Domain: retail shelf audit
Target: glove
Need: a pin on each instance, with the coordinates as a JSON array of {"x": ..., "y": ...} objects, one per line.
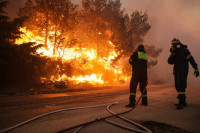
[
  {"x": 172, "y": 50},
  {"x": 196, "y": 73}
]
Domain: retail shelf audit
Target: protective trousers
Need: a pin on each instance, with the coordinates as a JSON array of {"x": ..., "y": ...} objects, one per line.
[
  {"x": 180, "y": 85},
  {"x": 142, "y": 80}
]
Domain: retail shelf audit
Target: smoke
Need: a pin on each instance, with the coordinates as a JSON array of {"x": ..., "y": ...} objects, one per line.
[
  {"x": 13, "y": 7},
  {"x": 169, "y": 19}
]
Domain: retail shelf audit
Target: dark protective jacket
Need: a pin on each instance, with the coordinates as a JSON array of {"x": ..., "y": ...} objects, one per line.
[
  {"x": 138, "y": 60},
  {"x": 180, "y": 58}
]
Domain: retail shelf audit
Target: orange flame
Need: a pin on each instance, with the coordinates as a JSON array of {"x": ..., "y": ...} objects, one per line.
[{"x": 96, "y": 76}]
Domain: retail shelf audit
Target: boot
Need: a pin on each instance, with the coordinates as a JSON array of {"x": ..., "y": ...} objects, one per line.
[
  {"x": 130, "y": 105},
  {"x": 182, "y": 104},
  {"x": 178, "y": 97},
  {"x": 144, "y": 101},
  {"x": 131, "y": 101}
]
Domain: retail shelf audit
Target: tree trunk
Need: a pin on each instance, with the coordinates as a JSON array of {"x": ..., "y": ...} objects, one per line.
[
  {"x": 55, "y": 39},
  {"x": 46, "y": 28},
  {"x": 46, "y": 35}
]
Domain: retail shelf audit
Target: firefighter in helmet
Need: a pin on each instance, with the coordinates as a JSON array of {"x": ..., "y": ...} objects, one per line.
[
  {"x": 138, "y": 60},
  {"x": 180, "y": 56}
]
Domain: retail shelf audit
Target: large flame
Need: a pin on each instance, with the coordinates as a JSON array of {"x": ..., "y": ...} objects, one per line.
[
  {"x": 89, "y": 78},
  {"x": 99, "y": 70}
]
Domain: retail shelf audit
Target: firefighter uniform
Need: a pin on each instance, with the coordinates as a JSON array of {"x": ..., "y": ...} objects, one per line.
[
  {"x": 180, "y": 56},
  {"x": 138, "y": 60}
]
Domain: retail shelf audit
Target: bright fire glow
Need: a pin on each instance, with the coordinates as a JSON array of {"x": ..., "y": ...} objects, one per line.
[
  {"x": 90, "y": 67},
  {"x": 88, "y": 78}
]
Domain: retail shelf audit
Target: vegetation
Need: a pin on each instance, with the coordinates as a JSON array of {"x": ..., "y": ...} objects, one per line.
[
  {"x": 20, "y": 65},
  {"x": 45, "y": 16},
  {"x": 92, "y": 25}
]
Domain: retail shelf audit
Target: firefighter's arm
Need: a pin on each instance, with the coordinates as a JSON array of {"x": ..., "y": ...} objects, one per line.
[
  {"x": 132, "y": 59},
  {"x": 171, "y": 59},
  {"x": 190, "y": 58}
]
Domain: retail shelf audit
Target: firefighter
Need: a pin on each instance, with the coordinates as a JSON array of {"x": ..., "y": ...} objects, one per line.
[
  {"x": 138, "y": 60},
  {"x": 180, "y": 56}
]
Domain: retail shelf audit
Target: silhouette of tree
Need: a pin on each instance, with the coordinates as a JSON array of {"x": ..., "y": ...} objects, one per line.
[
  {"x": 107, "y": 18},
  {"x": 20, "y": 65}
]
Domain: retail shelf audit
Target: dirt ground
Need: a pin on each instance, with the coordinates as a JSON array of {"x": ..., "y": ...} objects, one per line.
[{"x": 160, "y": 116}]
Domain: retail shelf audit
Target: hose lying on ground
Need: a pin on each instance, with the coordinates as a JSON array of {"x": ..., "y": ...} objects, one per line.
[
  {"x": 113, "y": 114},
  {"x": 49, "y": 113},
  {"x": 146, "y": 130}
]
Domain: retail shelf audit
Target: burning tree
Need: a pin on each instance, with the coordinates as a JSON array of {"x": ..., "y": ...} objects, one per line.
[
  {"x": 88, "y": 43},
  {"x": 103, "y": 21},
  {"x": 51, "y": 19}
]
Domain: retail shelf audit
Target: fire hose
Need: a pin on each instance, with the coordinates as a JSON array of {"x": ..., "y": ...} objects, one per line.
[
  {"x": 49, "y": 113},
  {"x": 129, "y": 121},
  {"x": 81, "y": 126}
]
